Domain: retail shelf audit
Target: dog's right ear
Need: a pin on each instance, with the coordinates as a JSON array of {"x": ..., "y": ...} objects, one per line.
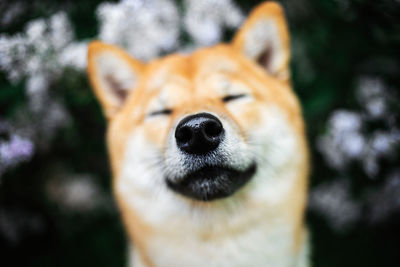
[{"x": 113, "y": 74}]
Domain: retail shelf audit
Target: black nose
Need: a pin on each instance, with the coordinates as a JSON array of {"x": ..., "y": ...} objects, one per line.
[{"x": 199, "y": 134}]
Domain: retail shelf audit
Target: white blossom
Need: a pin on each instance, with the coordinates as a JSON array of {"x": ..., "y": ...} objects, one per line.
[
  {"x": 371, "y": 93},
  {"x": 346, "y": 141},
  {"x": 38, "y": 50},
  {"x": 74, "y": 55},
  {"x": 143, "y": 28},
  {"x": 333, "y": 200},
  {"x": 381, "y": 144},
  {"x": 75, "y": 192},
  {"x": 343, "y": 140},
  {"x": 147, "y": 29},
  {"x": 205, "y": 20},
  {"x": 13, "y": 52}
]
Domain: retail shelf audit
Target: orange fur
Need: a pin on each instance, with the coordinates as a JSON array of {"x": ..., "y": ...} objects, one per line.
[{"x": 196, "y": 83}]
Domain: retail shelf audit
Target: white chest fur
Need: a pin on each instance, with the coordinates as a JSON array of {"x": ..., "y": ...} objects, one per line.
[
  {"x": 229, "y": 234},
  {"x": 253, "y": 248}
]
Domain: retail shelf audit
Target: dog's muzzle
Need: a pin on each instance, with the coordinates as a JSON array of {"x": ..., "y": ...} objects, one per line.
[{"x": 198, "y": 137}]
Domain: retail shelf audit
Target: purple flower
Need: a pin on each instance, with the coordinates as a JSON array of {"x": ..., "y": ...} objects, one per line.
[{"x": 15, "y": 151}]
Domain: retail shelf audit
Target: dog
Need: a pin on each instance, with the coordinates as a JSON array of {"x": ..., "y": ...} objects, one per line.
[{"x": 208, "y": 150}]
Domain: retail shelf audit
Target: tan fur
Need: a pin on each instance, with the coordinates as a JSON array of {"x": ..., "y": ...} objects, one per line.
[{"x": 190, "y": 84}]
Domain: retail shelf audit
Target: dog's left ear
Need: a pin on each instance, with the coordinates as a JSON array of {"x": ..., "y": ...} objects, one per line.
[
  {"x": 113, "y": 74},
  {"x": 264, "y": 38}
]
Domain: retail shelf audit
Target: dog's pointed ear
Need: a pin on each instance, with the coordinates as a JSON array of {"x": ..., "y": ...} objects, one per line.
[
  {"x": 113, "y": 74},
  {"x": 264, "y": 38}
]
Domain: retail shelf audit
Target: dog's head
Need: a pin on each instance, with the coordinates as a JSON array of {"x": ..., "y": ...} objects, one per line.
[{"x": 218, "y": 123}]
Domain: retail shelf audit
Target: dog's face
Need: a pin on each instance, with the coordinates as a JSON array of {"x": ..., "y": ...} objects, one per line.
[{"x": 221, "y": 123}]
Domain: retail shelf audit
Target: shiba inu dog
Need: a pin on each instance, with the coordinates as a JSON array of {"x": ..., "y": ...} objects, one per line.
[{"x": 208, "y": 151}]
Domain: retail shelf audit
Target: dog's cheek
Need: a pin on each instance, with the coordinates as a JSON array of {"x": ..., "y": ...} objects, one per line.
[
  {"x": 156, "y": 131},
  {"x": 246, "y": 114},
  {"x": 118, "y": 135},
  {"x": 277, "y": 137}
]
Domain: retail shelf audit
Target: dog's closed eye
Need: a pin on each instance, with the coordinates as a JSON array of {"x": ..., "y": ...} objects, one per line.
[
  {"x": 229, "y": 98},
  {"x": 166, "y": 111}
]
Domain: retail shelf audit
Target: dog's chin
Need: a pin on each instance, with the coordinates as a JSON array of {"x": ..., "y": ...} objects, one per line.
[{"x": 212, "y": 182}]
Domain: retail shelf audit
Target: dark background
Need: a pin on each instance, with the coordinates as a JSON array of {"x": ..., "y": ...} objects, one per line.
[{"x": 336, "y": 45}]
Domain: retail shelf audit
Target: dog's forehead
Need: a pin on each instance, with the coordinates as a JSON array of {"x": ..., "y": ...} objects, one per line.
[
  {"x": 169, "y": 69},
  {"x": 217, "y": 59},
  {"x": 190, "y": 70}
]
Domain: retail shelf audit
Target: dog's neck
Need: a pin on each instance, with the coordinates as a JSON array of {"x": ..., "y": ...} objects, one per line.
[{"x": 216, "y": 231}]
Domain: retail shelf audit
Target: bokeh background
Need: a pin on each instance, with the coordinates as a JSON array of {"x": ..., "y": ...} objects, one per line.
[{"x": 56, "y": 208}]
